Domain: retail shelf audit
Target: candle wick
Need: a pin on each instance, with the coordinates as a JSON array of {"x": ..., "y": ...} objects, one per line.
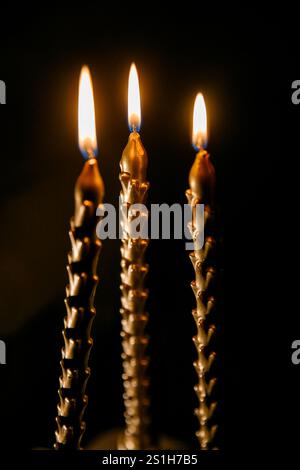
[{"x": 90, "y": 153}]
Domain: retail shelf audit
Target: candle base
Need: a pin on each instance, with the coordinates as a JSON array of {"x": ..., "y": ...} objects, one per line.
[{"x": 113, "y": 440}]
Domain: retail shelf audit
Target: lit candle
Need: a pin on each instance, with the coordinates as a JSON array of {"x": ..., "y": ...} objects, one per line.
[
  {"x": 201, "y": 191},
  {"x": 80, "y": 291},
  {"x": 133, "y": 293}
]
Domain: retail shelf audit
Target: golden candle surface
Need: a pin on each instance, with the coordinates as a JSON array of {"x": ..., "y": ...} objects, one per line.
[{"x": 134, "y": 159}]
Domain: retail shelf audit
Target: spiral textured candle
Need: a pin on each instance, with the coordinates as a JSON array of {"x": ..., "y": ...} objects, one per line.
[
  {"x": 80, "y": 291},
  {"x": 83, "y": 280},
  {"x": 201, "y": 191}
]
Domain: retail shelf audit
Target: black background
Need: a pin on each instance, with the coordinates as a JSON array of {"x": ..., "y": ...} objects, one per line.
[{"x": 245, "y": 69}]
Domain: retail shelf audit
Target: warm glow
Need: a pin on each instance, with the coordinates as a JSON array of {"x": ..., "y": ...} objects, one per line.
[
  {"x": 86, "y": 115},
  {"x": 134, "y": 101},
  {"x": 199, "y": 123}
]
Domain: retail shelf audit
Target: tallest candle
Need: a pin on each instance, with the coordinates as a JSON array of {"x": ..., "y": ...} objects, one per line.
[
  {"x": 133, "y": 166},
  {"x": 80, "y": 291}
]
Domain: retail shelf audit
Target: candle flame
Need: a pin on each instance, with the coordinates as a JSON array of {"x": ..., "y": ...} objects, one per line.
[
  {"x": 134, "y": 101},
  {"x": 199, "y": 123},
  {"x": 87, "y": 138}
]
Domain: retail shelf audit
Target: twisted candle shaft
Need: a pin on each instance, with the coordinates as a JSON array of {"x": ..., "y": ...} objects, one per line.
[
  {"x": 202, "y": 182},
  {"x": 80, "y": 291},
  {"x": 134, "y": 320}
]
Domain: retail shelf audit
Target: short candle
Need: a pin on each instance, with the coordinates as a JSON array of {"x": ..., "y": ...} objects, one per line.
[{"x": 201, "y": 191}]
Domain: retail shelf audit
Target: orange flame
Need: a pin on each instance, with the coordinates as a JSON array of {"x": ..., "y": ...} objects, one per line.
[
  {"x": 199, "y": 123},
  {"x": 87, "y": 138},
  {"x": 134, "y": 100}
]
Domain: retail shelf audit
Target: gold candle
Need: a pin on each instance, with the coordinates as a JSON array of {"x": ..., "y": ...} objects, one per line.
[
  {"x": 201, "y": 191},
  {"x": 83, "y": 280},
  {"x": 133, "y": 166}
]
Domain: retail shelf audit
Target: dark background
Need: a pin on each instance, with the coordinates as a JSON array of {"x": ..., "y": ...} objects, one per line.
[{"x": 245, "y": 69}]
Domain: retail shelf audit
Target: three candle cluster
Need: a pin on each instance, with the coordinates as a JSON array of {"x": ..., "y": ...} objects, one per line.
[{"x": 82, "y": 264}]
